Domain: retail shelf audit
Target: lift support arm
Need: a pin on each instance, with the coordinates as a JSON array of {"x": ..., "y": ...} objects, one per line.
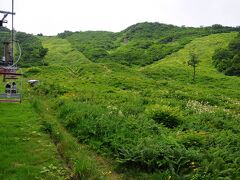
[{"x": 6, "y": 13}]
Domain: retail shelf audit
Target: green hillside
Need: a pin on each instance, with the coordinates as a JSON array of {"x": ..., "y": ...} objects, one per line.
[
  {"x": 140, "y": 44},
  {"x": 124, "y": 105},
  {"x": 152, "y": 121}
]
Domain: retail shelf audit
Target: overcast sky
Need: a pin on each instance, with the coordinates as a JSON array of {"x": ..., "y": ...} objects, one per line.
[{"x": 53, "y": 16}]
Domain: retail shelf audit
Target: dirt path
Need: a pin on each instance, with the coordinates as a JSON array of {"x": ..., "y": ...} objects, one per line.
[{"x": 92, "y": 165}]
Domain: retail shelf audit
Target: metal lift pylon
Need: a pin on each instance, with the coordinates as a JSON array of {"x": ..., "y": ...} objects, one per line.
[{"x": 8, "y": 67}]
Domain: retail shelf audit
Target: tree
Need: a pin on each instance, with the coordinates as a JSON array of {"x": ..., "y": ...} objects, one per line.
[{"x": 193, "y": 61}]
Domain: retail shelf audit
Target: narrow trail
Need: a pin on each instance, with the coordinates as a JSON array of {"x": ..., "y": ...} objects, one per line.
[{"x": 79, "y": 152}]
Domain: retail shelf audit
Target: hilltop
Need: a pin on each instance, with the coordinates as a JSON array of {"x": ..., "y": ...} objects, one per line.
[{"x": 140, "y": 44}]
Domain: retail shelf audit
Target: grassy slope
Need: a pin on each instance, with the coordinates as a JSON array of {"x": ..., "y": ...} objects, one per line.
[
  {"x": 61, "y": 52},
  {"x": 210, "y": 106},
  {"x": 174, "y": 69},
  {"x": 25, "y": 151},
  {"x": 140, "y": 44}
]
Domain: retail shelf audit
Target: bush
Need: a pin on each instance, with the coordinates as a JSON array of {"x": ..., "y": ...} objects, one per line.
[{"x": 165, "y": 115}]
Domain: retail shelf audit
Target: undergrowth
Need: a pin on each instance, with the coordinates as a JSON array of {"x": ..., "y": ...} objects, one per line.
[{"x": 78, "y": 160}]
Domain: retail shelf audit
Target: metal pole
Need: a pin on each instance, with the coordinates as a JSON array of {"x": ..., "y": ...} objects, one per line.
[{"x": 12, "y": 29}]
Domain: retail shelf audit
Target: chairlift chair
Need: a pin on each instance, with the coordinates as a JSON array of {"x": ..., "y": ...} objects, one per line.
[{"x": 12, "y": 94}]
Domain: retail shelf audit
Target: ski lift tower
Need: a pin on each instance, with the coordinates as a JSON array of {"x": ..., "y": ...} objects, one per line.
[{"x": 8, "y": 65}]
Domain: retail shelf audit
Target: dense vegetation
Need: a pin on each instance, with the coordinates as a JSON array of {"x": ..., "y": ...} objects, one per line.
[
  {"x": 227, "y": 60},
  {"x": 153, "y": 121},
  {"x": 140, "y": 44},
  {"x": 31, "y": 48}
]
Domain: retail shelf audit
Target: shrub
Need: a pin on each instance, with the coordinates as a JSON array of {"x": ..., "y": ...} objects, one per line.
[
  {"x": 51, "y": 89},
  {"x": 165, "y": 115}
]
